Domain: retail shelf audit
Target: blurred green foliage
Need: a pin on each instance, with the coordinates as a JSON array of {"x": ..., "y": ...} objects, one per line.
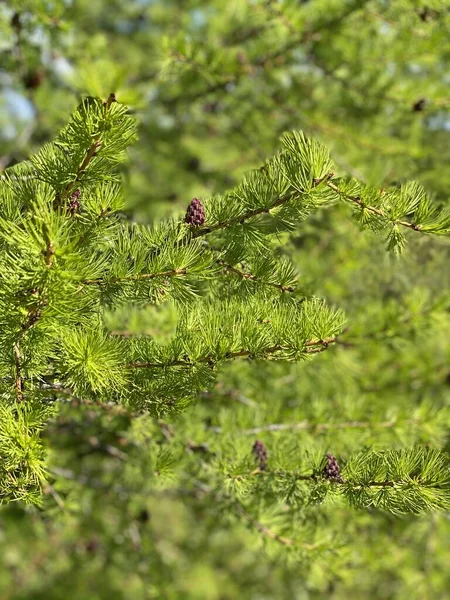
[{"x": 128, "y": 512}]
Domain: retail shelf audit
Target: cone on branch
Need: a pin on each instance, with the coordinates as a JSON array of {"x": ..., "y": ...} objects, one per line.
[
  {"x": 33, "y": 79},
  {"x": 195, "y": 215},
  {"x": 260, "y": 453},
  {"x": 419, "y": 106},
  {"x": 73, "y": 203},
  {"x": 332, "y": 470}
]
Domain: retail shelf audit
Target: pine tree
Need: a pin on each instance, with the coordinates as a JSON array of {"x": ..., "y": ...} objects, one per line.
[{"x": 143, "y": 364}]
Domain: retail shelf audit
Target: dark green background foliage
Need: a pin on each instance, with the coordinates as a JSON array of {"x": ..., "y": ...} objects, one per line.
[{"x": 141, "y": 482}]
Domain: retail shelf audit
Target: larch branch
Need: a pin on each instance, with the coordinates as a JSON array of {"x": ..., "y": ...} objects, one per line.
[
  {"x": 136, "y": 277},
  {"x": 311, "y": 347},
  {"x": 90, "y": 153},
  {"x": 372, "y": 209},
  {"x": 251, "y": 277}
]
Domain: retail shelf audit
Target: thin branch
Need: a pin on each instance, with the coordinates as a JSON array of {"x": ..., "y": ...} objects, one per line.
[
  {"x": 307, "y": 425},
  {"x": 266, "y": 530},
  {"x": 90, "y": 153},
  {"x": 372, "y": 209},
  {"x": 311, "y": 347},
  {"x": 137, "y": 277},
  {"x": 260, "y": 527},
  {"x": 251, "y": 277},
  {"x": 263, "y": 61},
  {"x": 49, "y": 253},
  {"x": 75, "y": 401},
  {"x": 314, "y": 478},
  {"x": 33, "y": 316},
  {"x": 245, "y": 216},
  {"x": 18, "y": 381},
  {"x": 293, "y": 195}
]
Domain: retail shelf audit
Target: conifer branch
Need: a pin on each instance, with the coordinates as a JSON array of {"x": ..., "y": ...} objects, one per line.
[
  {"x": 240, "y": 219},
  {"x": 33, "y": 316},
  {"x": 50, "y": 247},
  {"x": 18, "y": 368},
  {"x": 313, "y": 477},
  {"x": 90, "y": 153},
  {"x": 311, "y": 347},
  {"x": 372, "y": 209},
  {"x": 136, "y": 277},
  {"x": 307, "y": 425},
  {"x": 261, "y": 528},
  {"x": 260, "y": 62},
  {"x": 251, "y": 277}
]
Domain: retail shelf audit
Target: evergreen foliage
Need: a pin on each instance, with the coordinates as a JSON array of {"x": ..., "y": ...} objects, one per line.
[{"x": 165, "y": 428}]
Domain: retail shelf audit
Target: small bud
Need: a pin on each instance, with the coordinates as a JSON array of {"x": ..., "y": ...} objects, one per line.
[
  {"x": 331, "y": 470},
  {"x": 260, "y": 453},
  {"x": 195, "y": 214}
]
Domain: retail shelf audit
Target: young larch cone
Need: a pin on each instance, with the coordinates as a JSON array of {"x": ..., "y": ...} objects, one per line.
[
  {"x": 73, "y": 203},
  {"x": 195, "y": 215},
  {"x": 419, "y": 106},
  {"x": 33, "y": 79},
  {"x": 260, "y": 453},
  {"x": 331, "y": 469}
]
